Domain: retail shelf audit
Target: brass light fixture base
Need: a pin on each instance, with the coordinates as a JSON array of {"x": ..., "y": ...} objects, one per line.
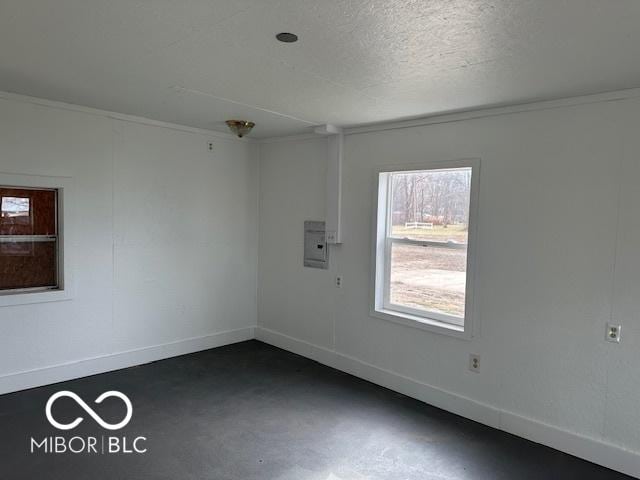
[{"x": 240, "y": 127}]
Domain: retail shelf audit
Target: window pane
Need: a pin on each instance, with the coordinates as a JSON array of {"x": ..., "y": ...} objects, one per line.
[
  {"x": 28, "y": 238},
  {"x": 27, "y": 264},
  {"x": 431, "y": 205},
  {"x": 428, "y": 278},
  {"x": 15, "y": 206},
  {"x": 27, "y": 211}
]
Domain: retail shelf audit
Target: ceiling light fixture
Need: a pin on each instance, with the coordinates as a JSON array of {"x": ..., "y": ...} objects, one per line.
[
  {"x": 240, "y": 127},
  {"x": 287, "y": 37}
]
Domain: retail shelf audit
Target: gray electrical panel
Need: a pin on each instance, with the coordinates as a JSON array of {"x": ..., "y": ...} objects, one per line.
[{"x": 316, "y": 251}]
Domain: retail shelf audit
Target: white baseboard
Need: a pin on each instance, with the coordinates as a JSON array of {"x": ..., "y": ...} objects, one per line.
[
  {"x": 591, "y": 449},
  {"x": 13, "y": 382}
]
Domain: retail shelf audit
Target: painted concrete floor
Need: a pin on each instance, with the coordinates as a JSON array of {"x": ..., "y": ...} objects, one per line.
[{"x": 251, "y": 411}]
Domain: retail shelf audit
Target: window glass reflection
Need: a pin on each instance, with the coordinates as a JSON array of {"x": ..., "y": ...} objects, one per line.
[{"x": 15, "y": 207}]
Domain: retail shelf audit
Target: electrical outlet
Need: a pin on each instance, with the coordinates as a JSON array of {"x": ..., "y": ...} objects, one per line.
[
  {"x": 474, "y": 363},
  {"x": 613, "y": 333},
  {"x": 210, "y": 146},
  {"x": 339, "y": 281}
]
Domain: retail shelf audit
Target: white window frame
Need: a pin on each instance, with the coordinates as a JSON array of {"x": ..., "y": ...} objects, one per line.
[
  {"x": 381, "y": 248},
  {"x": 65, "y": 290}
]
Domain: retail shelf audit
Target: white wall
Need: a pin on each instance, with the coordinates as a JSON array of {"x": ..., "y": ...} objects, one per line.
[
  {"x": 165, "y": 249},
  {"x": 166, "y": 252},
  {"x": 558, "y": 228}
]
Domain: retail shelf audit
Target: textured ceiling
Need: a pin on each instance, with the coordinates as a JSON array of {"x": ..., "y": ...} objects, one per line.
[{"x": 199, "y": 62}]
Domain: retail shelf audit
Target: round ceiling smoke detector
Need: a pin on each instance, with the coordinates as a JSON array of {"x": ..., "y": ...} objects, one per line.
[
  {"x": 287, "y": 37},
  {"x": 240, "y": 127}
]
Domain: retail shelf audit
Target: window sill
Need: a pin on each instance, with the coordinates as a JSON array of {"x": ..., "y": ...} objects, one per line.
[
  {"x": 422, "y": 323},
  {"x": 9, "y": 299}
]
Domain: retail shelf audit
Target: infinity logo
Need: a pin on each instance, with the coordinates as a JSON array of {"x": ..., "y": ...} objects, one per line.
[{"x": 89, "y": 410}]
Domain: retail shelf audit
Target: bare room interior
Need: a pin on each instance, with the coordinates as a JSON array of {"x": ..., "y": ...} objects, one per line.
[{"x": 320, "y": 240}]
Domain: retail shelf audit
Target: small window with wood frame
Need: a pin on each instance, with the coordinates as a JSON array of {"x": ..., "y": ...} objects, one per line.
[{"x": 29, "y": 243}]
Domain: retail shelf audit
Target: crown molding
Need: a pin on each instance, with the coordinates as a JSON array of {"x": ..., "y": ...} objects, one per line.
[
  {"x": 120, "y": 116},
  {"x": 474, "y": 113},
  {"x": 616, "y": 95},
  {"x": 290, "y": 138}
]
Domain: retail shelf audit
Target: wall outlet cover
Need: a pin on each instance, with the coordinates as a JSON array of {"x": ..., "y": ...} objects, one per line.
[
  {"x": 474, "y": 363},
  {"x": 613, "y": 332}
]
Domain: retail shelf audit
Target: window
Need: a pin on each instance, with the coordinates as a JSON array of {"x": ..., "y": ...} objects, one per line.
[
  {"x": 28, "y": 239},
  {"x": 423, "y": 246}
]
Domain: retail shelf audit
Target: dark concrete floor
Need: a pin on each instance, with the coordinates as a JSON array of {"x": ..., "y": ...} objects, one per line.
[{"x": 252, "y": 411}]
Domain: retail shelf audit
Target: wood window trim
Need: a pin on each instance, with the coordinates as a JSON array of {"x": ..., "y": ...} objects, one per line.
[{"x": 65, "y": 289}]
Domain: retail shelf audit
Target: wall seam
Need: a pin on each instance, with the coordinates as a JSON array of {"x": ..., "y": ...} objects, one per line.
[
  {"x": 259, "y": 230},
  {"x": 620, "y": 181},
  {"x": 113, "y": 234}
]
